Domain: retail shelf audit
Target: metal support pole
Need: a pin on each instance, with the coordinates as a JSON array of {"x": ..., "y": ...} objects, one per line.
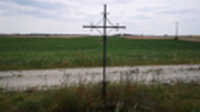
[
  {"x": 176, "y": 31},
  {"x": 104, "y": 52},
  {"x": 104, "y": 27}
]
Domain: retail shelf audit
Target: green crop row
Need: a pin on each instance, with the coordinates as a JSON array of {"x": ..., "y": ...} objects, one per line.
[{"x": 39, "y": 53}]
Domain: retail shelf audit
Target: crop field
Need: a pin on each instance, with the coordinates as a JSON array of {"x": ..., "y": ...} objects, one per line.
[{"x": 39, "y": 53}]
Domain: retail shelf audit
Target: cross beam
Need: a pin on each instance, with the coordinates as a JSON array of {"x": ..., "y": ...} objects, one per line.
[
  {"x": 93, "y": 26},
  {"x": 104, "y": 27}
]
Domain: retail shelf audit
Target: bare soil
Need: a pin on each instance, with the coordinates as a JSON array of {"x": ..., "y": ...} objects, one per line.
[
  {"x": 147, "y": 37},
  {"x": 193, "y": 39},
  {"x": 21, "y": 80},
  {"x": 185, "y": 38}
]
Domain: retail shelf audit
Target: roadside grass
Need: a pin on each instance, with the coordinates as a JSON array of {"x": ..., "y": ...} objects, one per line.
[
  {"x": 121, "y": 97},
  {"x": 40, "y": 53}
]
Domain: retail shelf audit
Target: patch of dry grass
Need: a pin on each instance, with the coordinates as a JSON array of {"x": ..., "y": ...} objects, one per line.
[{"x": 121, "y": 97}]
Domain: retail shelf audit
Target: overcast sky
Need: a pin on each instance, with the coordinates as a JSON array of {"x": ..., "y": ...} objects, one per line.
[{"x": 154, "y": 17}]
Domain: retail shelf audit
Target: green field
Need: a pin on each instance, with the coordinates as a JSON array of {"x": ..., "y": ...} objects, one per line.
[{"x": 39, "y": 53}]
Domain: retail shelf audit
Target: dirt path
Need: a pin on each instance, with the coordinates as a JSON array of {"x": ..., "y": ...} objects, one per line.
[{"x": 38, "y": 79}]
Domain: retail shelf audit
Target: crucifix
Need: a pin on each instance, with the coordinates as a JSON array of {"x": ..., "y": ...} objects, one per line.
[{"x": 104, "y": 27}]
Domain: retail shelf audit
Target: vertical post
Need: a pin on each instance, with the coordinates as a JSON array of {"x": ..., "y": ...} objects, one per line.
[
  {"x": 105, "y": 27},
  {"x": 176, "y": 32},
  {"x": 104, "y": 51}
]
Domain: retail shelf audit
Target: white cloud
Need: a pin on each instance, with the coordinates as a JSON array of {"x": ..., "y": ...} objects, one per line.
[{"x": 68, "y": 16}]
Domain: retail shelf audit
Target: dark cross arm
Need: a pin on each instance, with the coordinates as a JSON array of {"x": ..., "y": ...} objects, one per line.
[{"x": 84, "y": 26}]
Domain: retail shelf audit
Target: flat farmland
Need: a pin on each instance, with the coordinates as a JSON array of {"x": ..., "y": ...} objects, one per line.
[{"x": 39, "y": 53}]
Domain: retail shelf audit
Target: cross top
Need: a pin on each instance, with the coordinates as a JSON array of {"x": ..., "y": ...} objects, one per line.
[{"x": 105, "y": 26}]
